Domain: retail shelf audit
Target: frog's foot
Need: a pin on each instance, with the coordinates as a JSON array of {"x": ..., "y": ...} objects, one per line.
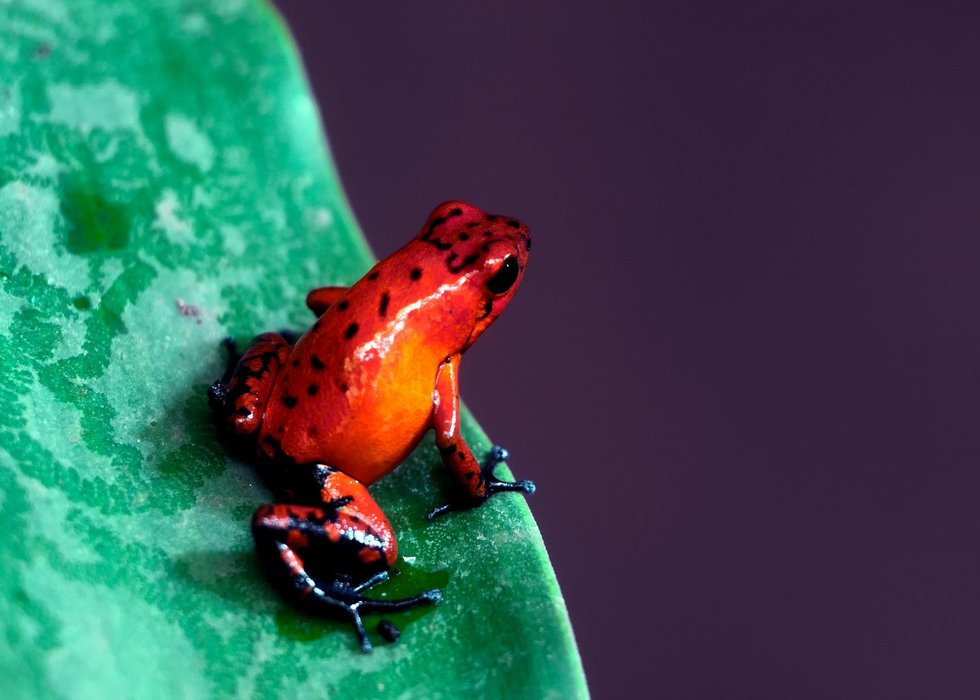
[
  {"x": 342, "y": 599},
  {"x": 491, "y": 485},
  {"x": 324, "y": 557}
]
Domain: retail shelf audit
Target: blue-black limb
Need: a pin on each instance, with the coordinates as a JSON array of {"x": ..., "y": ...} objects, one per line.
[
  {"x": 338, "y": 598},
  {"x": 218, "y": 392},
  {"x": 492, "y": 484}
]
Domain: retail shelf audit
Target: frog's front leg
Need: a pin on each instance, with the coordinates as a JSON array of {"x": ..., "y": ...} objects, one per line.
[
  {"x": 475, "y": 483},
  {"x": 322, "y": 298},
  {"x": 321, "y": 557}
]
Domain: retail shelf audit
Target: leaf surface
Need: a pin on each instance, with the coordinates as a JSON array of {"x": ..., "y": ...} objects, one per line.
[{"x": 164, "y": 183}]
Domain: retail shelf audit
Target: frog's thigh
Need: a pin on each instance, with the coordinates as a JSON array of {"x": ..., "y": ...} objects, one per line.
[{"x": 348, "y": 535}]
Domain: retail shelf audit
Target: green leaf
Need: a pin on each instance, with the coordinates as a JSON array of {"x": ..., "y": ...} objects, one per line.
[{"x": 164, "y": 183}]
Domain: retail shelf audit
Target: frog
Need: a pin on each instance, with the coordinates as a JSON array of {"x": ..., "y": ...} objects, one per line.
[{"x": 324, "y": 415}]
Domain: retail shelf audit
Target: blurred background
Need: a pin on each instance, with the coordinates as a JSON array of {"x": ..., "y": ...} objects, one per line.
[{"x": 743, "y": 366}]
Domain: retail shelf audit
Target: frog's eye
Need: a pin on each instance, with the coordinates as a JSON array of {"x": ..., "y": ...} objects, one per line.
[{"x": 505, "y": 277}]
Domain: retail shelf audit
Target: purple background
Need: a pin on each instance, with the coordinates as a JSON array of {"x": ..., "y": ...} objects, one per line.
[{"x": 743, "y": 367}]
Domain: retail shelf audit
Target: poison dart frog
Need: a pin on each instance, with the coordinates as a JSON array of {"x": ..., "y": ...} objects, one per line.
[{"x": 329, "y": 414}]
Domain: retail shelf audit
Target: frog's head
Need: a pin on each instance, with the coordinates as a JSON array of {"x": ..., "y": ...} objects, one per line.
[{"x": 486, "y": 252}]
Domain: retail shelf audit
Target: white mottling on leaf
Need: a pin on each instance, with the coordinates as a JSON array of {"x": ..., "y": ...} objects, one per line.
[
  {"x": 29, "y": 219},
  {"x": 11, "y": 109},
  {"x": 49, "y": 524},
  {"x": 52, "y": 11},
  {"x": 188, "y": 142},
  {"x": 167, "y": 208},
  {"x": 194, "y": 23},
  {"x": 263, "y": 650},
  {"x": 232, "y": 240},
  {"x": 228, "y": 8},
  {"x": 111, "y": 269},
  {"x": 143, "y": 418},
  {"x": 128, "y": 631},
  {"x": 109, "y": 106},
  {"x": 205, "y": 536},
  {"x": 72, "y": 343},
  {"x": 45, "y": 167},
  {"x": 153, "y": 321},
  {"x": 321, "y": 218},
  {"x": 274, "y": 217},
  {"x": 56, "y": 426},
  {"x": 33, "y": 32},
  {"x": 201, "y": 198},
  {"x": 107, "y": 152},
  {"x": 9, "y": 305}
]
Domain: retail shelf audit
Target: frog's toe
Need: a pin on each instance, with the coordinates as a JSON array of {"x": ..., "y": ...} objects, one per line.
[
  {"x": 218, "y": 394},
  {"x": 525, "y": 486},
  {"x": 494, "y": 485},
  {"x": 340, "y": 599},
  {"x": 497, "y": 455},
  {"x": 355, "y": 605}
]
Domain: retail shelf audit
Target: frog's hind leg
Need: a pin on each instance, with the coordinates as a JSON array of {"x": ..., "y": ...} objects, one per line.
[
  {"x": 324, "y": 557},
  {"x": 239, "y": 397}
]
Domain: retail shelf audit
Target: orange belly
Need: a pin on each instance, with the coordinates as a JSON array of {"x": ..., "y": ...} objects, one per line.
[{"x": 363, "y": 422}]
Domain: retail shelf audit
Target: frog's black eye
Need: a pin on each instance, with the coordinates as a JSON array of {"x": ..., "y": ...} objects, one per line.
[{"x": 505, "y": 277}]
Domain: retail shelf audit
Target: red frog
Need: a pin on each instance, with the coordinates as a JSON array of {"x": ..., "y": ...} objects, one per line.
[{"x": 329, "y": 415}]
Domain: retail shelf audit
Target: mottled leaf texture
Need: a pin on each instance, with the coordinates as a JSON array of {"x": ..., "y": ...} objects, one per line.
[{"x": 164, "y": 182}]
